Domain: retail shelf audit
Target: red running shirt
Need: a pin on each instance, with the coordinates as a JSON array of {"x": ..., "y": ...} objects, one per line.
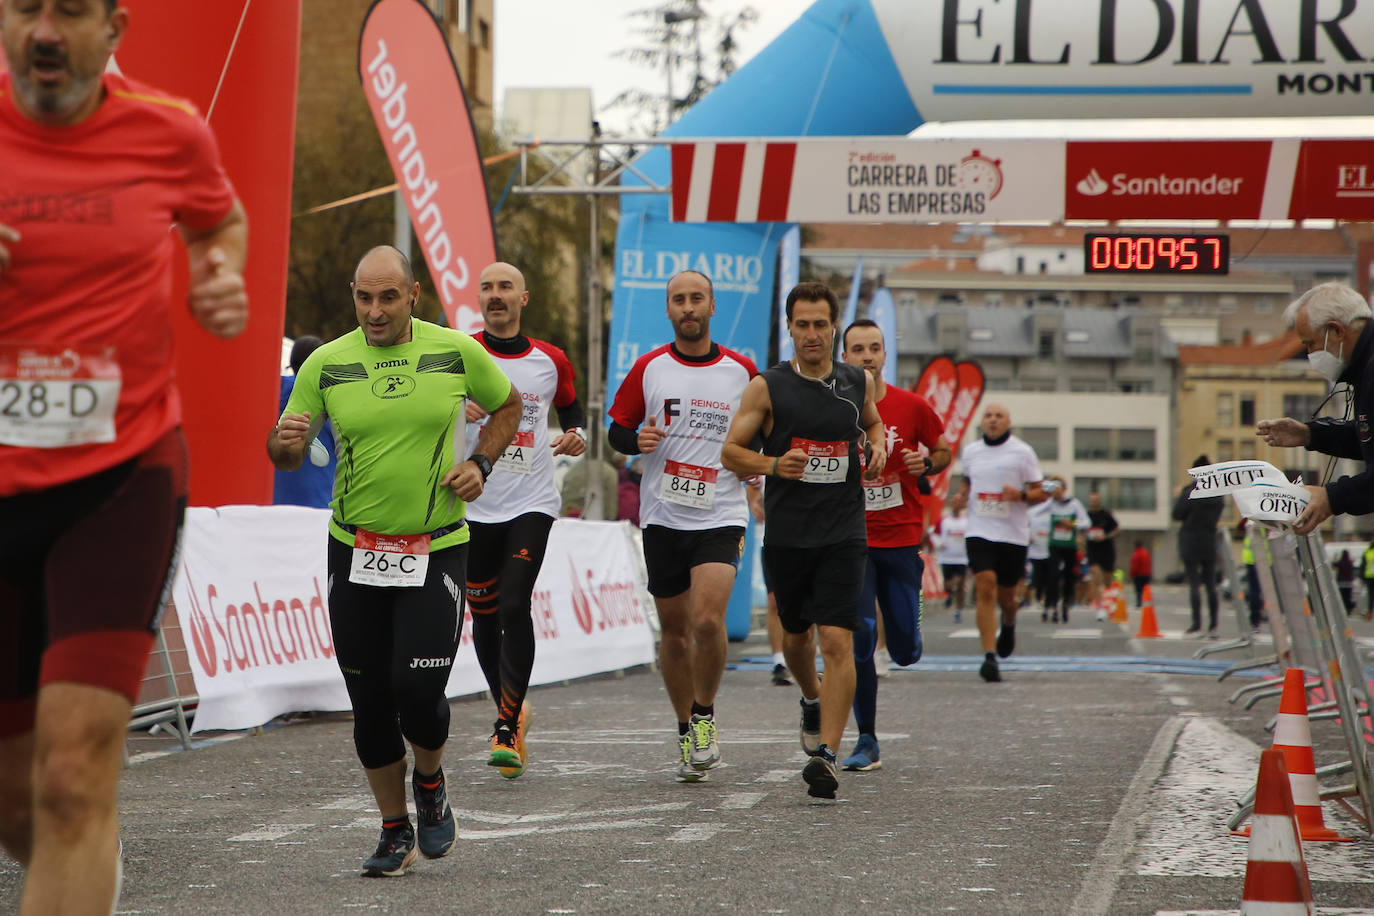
[
  {"x": 89, "y": 283},
  {"x": 894, "y": 512}
]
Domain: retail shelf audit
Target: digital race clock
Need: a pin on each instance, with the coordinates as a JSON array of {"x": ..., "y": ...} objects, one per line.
[{"x": 1153, "y": 253}]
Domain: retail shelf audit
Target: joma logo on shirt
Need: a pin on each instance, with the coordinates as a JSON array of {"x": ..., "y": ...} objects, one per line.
[{"x": 389, "y": 364}]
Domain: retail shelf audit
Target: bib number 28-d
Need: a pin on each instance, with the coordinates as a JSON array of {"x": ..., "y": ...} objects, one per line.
[{"x": 54, "y": 397}]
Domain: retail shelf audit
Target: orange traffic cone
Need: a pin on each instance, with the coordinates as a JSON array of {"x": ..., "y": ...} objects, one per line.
[
  {"x": 1276, "y": 882},
  {"x": 1293, "y": 736},
  {"x": 1149, "y": 627},
  {"x": 1119, "y": 614}
]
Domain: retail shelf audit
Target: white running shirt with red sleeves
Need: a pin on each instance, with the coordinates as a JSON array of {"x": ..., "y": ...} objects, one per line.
[
  {"x": 521, "y": 480},
  {"x": 684, "y": 486},
  {"x": 988, "y": 468}
]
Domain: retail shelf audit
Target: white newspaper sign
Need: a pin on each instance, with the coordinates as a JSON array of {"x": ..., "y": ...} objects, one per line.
[
  {"x": 1274, "y": 504},
  {"x": 252, "y": 594},
  {"x": 1232, "y": 476}
]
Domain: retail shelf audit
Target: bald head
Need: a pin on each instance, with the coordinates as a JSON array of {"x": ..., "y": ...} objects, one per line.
[
  {"x": 996, "y": 421},
  {"x": 385, "y": 259},
  {"x": 502, "y": 296}
]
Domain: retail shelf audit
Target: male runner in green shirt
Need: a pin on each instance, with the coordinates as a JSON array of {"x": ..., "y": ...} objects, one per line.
[{"x": 395, "y": 391}]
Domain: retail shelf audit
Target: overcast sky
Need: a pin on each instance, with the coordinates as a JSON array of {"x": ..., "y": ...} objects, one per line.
[{"x": 569, "y": 44}]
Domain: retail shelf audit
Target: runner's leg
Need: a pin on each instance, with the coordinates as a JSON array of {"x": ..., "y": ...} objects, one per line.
[
  {"x": 710, "y": 596},
  {"x": 865, "y": 641}
]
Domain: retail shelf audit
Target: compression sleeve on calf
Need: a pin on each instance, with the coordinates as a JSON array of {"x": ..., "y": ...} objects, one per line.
[
  {"x": 571, "y": 416},
  {"x": 623, "y": 439}
]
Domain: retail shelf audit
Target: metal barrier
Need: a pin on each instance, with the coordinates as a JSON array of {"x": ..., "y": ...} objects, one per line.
[
  {"x": 168, "y": 687},
  {"x": 1322, "y": 644}
]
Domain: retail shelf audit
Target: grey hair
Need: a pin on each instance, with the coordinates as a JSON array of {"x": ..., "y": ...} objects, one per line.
[{"x": 1326, "y": 303}]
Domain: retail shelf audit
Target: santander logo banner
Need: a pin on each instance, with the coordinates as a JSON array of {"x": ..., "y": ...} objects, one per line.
[
  {"x": 1166, "y": 179},
  {"x": 417, "y": 100},
  {"x": 252, "y": 598}
]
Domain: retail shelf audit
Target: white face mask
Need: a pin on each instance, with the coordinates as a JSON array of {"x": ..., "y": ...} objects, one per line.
[{"x": 1328, "y": 365}]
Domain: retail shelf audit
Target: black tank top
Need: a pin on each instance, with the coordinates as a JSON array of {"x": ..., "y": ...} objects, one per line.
[{"x": 800, "y": 513}]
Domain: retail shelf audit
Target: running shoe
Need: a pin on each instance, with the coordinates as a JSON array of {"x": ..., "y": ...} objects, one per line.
[
  {"x": 819, "y": 773},
  {"x": 685, "y": 771},
  {"x": 1213, "y": 634},
  {"x": 882, "y": 663},
  {"x": 810, "y": 727},
  {"x": 520, "y": 729},
  {"x": 1193, "y": 633},
  {"x": 395, "y": 852},
  {"x": 703, "y": 752},
  {"x": 503, "y": 750},
  {"x": 435, "y": 828},
  {"x": 1006, "y": 640},
  {"x": 989, "y": 670},
  {"x": 780, "y": 678},
  {"x": 865, "y": 756}
]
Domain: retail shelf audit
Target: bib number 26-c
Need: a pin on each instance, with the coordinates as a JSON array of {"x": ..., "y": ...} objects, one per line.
[{"x": 389, "y": 560}]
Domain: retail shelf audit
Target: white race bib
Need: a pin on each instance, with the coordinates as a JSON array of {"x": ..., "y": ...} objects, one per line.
[
  {"x": 991, "y": 505},
  {"x": 389, "y": 560},
  {"x": 882, "y": 494},
  {"x": 688, "y": 485},
  {"x": 519, "y": 455},
  {"x": 53, "y": 396},
  {"x": 826, "y": 462}
]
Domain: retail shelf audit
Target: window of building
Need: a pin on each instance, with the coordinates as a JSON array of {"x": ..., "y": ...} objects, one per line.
[
  {"x": 463, "y": 16},
  {"x": 1264, "y": 303},
  {"x": 1136, "y": 493},
  {"x": 1245, "y": 449},
  {"x": 1301, "y": 406},
  {"x": 1143, "y": 354},
  {"x": 1083, "y": 487},
  {"x": 484, "y": 34},
  {"x": 1092, "y": 443},
  {"x": 1020, "y": 263},
  {"x": 982, "y": 334},
  {"x": 1077, "y": 336},
  {"x": 1046, "y": 347},
  {"x": 1135, "y": 445},
  {"x": 998, "y": 383},
  {"x": 1247, "y": 410},
  {"x": 1136, "y": 387},
  {"x": 1044, "y": 439},
  {"x": 1226, "y": 450},
  {"x": 992, "y": 298},
  {"x": 1088, "y": 385},
  {"x": 1226, "y": 410}
]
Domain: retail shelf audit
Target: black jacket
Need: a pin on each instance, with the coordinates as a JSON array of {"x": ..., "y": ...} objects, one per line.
[
  {"x": 1352, "y": 495},
  {"x": 1199, "y": 517}
]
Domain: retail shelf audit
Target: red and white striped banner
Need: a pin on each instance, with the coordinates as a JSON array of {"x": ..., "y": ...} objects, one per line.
[{"x": 940, "y": 180}]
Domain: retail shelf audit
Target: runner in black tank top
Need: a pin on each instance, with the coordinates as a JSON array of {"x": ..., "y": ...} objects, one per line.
[{"x": 812, "y": 416}]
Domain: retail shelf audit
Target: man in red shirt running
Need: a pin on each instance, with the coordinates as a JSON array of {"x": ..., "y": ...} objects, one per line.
[
  {"x": 96, "y": 170},
  {"x": 896, "y": 523}
]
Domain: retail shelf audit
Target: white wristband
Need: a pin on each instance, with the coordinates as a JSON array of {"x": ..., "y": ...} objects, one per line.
[{"x": 577, "y": 431}]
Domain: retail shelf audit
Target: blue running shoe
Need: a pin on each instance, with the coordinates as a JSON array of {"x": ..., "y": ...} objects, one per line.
[
  {"x": 865, "y": 756},
  {"x": 395, "y": 852}
]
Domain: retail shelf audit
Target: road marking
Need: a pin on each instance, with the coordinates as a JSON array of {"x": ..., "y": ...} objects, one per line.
[
  {"x": 696, "y": 833},
  {"x": 1099, "y": 884},
  {"x": 557, "y": 828},
  {"x": 493, "y": 817},
  {"x": 741, "y": 800},
  {"x": 1078, "y": 633},
  {"x": 1185, "y": 834},
  {"x": 269, "y": 832},
  {"x": 777, "y": 776}
]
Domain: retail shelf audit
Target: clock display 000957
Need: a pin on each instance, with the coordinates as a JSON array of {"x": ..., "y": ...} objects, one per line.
[{"x": 1156, "y": 253}]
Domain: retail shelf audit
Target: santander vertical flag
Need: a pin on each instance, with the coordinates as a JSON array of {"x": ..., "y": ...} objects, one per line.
[{"x": 417, "y": 100}]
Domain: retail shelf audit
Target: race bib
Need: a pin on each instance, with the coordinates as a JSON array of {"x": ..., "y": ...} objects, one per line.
[
  {"x": 826, "y": 462},
  {"x": 53, "y": 396},
  {"x": 687, "y": 485},
  {"x": 389, "y": 560},
  {"x": 519, "y": 455},
  {"x": 1096, "y": 534},
  {"x": 882, "y": 494},
  {"x": 991, "y": 505}
]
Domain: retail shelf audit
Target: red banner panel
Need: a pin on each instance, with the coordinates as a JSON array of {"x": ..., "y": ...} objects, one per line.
[
  {"x": 1167, "y": 179},
  {"x": 1335, "y": 180}
]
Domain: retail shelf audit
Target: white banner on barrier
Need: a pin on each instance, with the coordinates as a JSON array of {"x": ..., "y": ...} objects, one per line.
[{"x": 251, "y": 592}]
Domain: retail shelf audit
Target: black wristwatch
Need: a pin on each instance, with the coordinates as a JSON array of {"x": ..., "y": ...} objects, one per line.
[{"x": 483, "y": 464}]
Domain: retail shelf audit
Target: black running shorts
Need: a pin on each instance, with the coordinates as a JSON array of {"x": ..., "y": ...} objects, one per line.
[
  {"x": 1008, "y": 561},
  {"x": 817, "y": 585},
  {"x": 670, "y": 555}
]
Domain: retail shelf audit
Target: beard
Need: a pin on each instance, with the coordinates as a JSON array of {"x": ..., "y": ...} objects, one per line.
[{"x": 703, "y": 328}]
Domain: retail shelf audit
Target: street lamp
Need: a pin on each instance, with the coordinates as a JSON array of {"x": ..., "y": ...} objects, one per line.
[{"x": 670, "y": 19}]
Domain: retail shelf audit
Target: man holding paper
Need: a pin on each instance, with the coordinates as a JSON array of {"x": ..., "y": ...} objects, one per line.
[{"x": 1332, "y": 322}]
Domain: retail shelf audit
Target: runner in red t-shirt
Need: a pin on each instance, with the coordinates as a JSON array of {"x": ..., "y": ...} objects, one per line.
[
  {"x": 896, "y": 523},
  {"x": 96, "y": 171}
]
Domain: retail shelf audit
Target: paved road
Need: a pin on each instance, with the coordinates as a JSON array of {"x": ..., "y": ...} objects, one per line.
[{"x": 1087, "y": 782}]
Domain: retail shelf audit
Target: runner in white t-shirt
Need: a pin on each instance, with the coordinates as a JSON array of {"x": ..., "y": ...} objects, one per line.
[
  {"x": 692, "y": 510},
  {"x": 951, "y": 552},
  {"x": 1004, "y": 478},
  {"x": 510, "y": 524}
]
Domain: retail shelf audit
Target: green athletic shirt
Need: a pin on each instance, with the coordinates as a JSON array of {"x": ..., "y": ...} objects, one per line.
[{"x": 398, "y": 421}]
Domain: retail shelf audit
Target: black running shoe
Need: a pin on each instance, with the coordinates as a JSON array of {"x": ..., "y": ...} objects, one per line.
[
  {"x": 1006, "y": 640},
  {"x": 434, "y": 819},
  {"x": 819, "y": 773},
  {"x": 989, "y": 670},
  {"x": 810, "y": 727},
  {"x": 780, "y": 678},
  {"x": 395, "y": 853}
]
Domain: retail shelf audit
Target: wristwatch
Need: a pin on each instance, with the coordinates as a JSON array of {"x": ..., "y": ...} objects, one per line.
[{"x": 483, "y": 464}]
